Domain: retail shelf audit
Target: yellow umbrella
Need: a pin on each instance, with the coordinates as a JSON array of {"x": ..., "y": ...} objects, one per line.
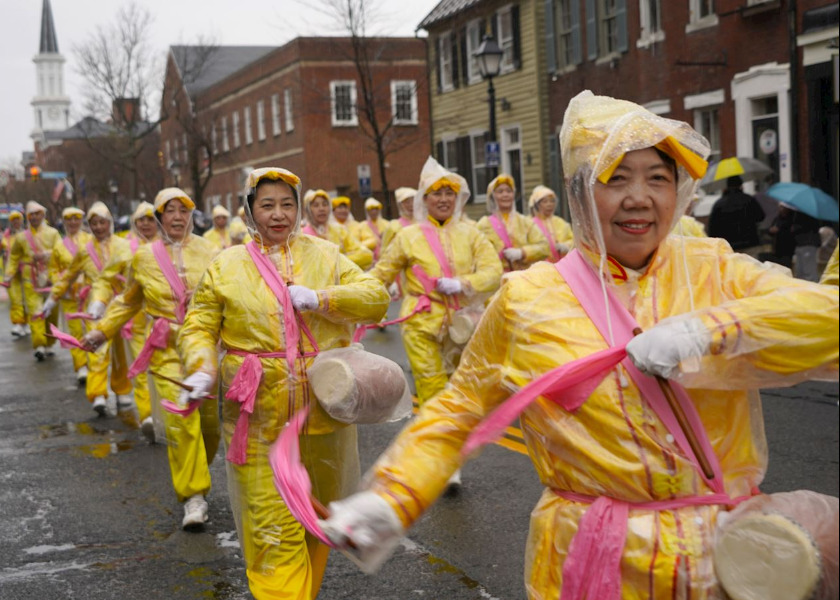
[{"x": 745, "y": 167}]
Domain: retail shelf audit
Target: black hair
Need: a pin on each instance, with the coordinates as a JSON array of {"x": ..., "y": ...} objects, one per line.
[
  {"x": 669, "y": 160},
  {"x": 734, "y": 182}
]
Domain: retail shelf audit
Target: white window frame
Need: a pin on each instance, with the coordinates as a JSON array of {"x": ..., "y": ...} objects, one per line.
[
  {"x": 445, "y": 140},
  {"x": 480, "y": 193},
  {"x": 714, "y": 140},
  {"x": 396, "y": 84},
  {"x": 225, "y": 138},
  {"x": 649, "y": 32},
  {"x": 659, "y": 107},
  {"x": 506, "y": 43},
  {"x": 249, "y": 133},
  {"x": 697, "y": 22},
  {"x": 445, "y": 59},
  {"x": 287, "y": 109},
  {"x": 235, "y": 125},
  {"x": 474, "y": 35},
  {"x": 213, "y": 142},
  {"x": 275, "y": 114},
  {"x": 166, "y": 152},
  {"x": 184, "y": 149},
  {"x": 704, "y": 102},
  {"x": 563, "y": 38},
  {"x": 353, "y": 119},
  {"x": 604, "y": 45},
  {"x": 505, "y": 147},
  {"x": 261, "y": 120}
]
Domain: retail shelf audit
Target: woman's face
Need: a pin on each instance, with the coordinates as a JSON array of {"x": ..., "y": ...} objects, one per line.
[
  {"x": 636, "y": 207},
  {"x": 407, "y": 207},
  {"x": 72, "y": 224},
  {"x": 220, "y": 222},
  {"x": 175, "y": 219},
  {"x": 146, "y": 226},
  {"x": 341, "y": 212},
  {"x": 373, "y": 213},
  {"x": 35, "y": 219},
  {"x": 441, "y": 203},
  {"x": 15, "y": 224},
  {"x": 100, "y": 227},
  {"x": 275, "y": 212},
  {"x": 546, "y": 206},
  {"x": 503, "y": 195},
  {"x": 319, "y": 208}
]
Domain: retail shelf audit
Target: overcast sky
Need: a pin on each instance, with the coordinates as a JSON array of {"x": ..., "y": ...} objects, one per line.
[{"x": 230, "y": 22}]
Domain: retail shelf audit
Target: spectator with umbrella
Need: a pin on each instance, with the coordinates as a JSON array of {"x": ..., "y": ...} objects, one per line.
[{"x": 735, "y": 218}]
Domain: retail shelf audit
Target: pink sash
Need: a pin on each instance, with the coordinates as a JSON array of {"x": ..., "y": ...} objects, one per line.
[
  {"x": 70, "y": 245},
  {"x": 32, "y": 242},
  {"x": 424, "y": 304},
  {"x": 404, "y": 221},
  {"x": 97, "y": 262},
  {"x": 179, "y": 290},
  {"x": 134, "y": 243},
  {"x": 544, "y": 228},
  {"x": 309, "y": 230},
  {"x": 378, "y": 235},
  {"x": 156, "y": 340},
  {"x": 500, "y": 230}
]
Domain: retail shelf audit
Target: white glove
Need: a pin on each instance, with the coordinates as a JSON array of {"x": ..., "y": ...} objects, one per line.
[
  {"x": 561, "y": 248},
  {"x": 200, "y": 382},
  {"x": 369, "y": 522},
  {"x": 96, "y": 309},
  {"x": 449, "y": 286},
  {"x": 394, "y": 290},
  {"x": 513, "y": 254},
  {"x": 49, "y": 306},
  {"x": 661, "y": 349},
  {"x": 303, "y": 298}
]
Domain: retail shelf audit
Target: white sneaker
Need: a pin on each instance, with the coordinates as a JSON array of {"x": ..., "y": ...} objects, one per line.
[
  {"x": 50, "y": 352},
  {"x": 40, "y": 354},
  {"x": 100, "y": 405},
  {"x": 81, "y": 375},
  {"x": 18, "y": 331},
  {"x": 453, "y": 486},
  {"x": 111, "y": 406},
  {"x": 147, "y": 428},
  {"x": 195, "y": 513},
  {"x": 124, "y": 403},
  {"x": 27, "y": 329}
]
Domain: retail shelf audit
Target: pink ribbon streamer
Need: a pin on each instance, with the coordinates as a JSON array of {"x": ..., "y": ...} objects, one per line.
[
  {"x": 156, "y": 340},
  {"x": 127, "y": 330},
  {"x": 184, "y": 411},
  {"x": 243, "y": 389},
  {"x": 179, "y": 290},
  {"x": 79, "y": 315},
  {"x": 66, "y": 340},
  {"x": 551, "y": 243},
  {"x": 91, "y": 250},
  {"x": 291, "y": 478}
]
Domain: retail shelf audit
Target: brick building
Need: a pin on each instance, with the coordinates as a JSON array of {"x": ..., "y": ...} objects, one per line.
[
  {"x": 300, "y": 106},
  {"x": 723, "y": 66}
]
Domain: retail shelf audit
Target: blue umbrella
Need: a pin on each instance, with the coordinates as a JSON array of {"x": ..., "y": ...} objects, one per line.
[{"x": 806, "y": 199}]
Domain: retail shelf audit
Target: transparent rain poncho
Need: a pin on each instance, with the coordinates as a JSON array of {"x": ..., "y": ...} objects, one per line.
[{"x": 766, "y": 329}]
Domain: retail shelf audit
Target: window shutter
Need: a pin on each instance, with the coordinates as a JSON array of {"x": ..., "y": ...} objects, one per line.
[
  {"x": 494, "y": 26},
  {"x": 621, "y": 24},
  {"x": 465, "y": 72},
  {"x": 517, "y": 46},
  {"x": 577, "y": 52},
  {"x": 550, "y": 44},
  {"x": 436, "y": 50},
  {"x": 453, "y": 41},
  {"x": 465, "y": 160},
  {"x": 439, "y": 152},
  {"x": 591, "y": 30}
]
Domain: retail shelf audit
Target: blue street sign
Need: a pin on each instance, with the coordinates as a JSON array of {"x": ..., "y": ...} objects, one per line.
[
  {"x": 492, "y": 154},
  {"x": 364, "y": 186},
  {"x": 53, "y": 175}
]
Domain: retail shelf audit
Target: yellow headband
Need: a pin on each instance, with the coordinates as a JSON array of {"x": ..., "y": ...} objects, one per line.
[
  {"x": 274, "y": 174},
  {"x": 687, "y": 159},
  {"x": 502, "y": 179},
  {"x": 336, "y": 202},
  {"x": 15, "y": 215},
  {"x": 442, "y": 183},
  {"x": 72, "y": 211}
]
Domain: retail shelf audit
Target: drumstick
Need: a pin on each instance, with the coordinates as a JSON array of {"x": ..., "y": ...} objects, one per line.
[
  {"x": 181, "y": 385},
  {"x": 324, "y": 514},
  {"x": 679, "y": 413}
]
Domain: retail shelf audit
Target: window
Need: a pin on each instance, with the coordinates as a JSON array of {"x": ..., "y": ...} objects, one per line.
[
  {"x": 184, "y": 147},
  {"x": 249, "y": 134},
  {"x": 167, "y": 156},
  {"x": 707, "y": 124},
  {"x": 404, "y": 102},
  {"x": 650, "y": 17},
  {"x": 475, "y": 32},
  {"x": 479, "y": 166},
  {"x": 275, "y": 114},
  {"x": 701, "y": 14},
  {"x": 236, "y": 129},
  {"x": 261, "y": 120},
  {"x": 343, "y": 103},
  {"x": 567, "y": 33},
  {"x": 445, "y": 62},
  {"x": 287, "y": 107},
  {"x": 225, "y": 139},
  {"x": 213, "y": 139},
  {"x": 608, "y": 27},
  {"x": 512, "y": 155},
  {"x": 176, "y": 155},
  {"x": 504, "y": 27}
]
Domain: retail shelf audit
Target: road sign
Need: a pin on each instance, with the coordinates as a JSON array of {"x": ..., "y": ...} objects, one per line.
[
  {"x": 363, "y": 172},
  {"x": 53, "y": 175},
  {"x": 492, "y": 154}
]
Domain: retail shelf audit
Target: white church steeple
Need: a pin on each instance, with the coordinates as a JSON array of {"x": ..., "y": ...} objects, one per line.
[{"x": 51, "y": 106}]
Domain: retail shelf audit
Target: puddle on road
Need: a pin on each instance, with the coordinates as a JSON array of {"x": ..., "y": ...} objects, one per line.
[
  {"x": 101, "y": 450},
  {"x": 62, "y": 429},
  {"x": 105, "y": 450},
  {"x": 209, "y": 577}
]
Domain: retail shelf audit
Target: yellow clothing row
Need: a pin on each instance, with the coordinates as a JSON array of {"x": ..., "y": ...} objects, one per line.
[
  {"x": 60, "y": 261},
  {"x": 347, "y": 243},
  {"x": 219, "y": 240},
  {"x": 17, "y": 313},
  {"x": 523, "y": 235}
]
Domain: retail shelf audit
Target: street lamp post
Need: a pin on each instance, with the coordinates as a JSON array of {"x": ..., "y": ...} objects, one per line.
[{"x": 489, "y": 57}]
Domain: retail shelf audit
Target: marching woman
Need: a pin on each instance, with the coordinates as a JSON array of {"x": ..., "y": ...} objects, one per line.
[
  {"x": 405, "y": 205},
  {"x": 73, "y": 300},
  {"x": 144, "y": 229},
  {"x": 219, "y": 235},
  {"x": 515, "y": 237},
  {"x": 447, "y": 264},
  {"x": 90, "y": 261},
  {"x": 376, "y": 225},
  {"x": 318, "y": 213},
  {"x": 628, "y": 510},
  {"x": 556, "y": 231},
  {"x": 271, "y": 306},
  {"x": 161, "y": 281},
  {"x": 17, "y": 312},
  {"x": 341, "y": 215},
  {"x": 30, "y": 256}
]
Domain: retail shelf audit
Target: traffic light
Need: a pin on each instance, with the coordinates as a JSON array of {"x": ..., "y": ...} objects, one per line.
[{"x": 34, "y": 173}]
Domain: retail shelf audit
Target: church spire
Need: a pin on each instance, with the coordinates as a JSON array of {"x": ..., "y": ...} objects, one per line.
[{"x": 49, "y": 41}]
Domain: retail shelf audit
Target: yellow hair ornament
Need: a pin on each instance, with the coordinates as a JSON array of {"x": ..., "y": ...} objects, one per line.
[{"x": 442, "y": 183}]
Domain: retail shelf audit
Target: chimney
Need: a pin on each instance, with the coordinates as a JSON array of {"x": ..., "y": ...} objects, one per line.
[{"x": 125, "y": 111}]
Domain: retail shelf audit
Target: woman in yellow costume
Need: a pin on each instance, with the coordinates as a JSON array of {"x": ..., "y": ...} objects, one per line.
[
  {"x": 17, "y": 312},
  {"x": 271, "y": 306},
  {"x": 447, "y": 264},
  {"x": 30, "y": 256},
  {"x": 144, "y": 229},
  {"x": 555, "y": 230},
  {"x": 405, "y": 205},
  {"x": 830, "y": 274},
  {"x": 319, "y": 223},
  {"x": 90, "y": 261},
  {"x": 375, "y": 224},
  {"x": 75, "y": 297},
  {"x": 625, "y": 512},
  {"x": 219, "y": 235},
  {"x": 341, "y": 215},
  {"x": 161, "y": 281},
  {"x": 515, "y": 237}
]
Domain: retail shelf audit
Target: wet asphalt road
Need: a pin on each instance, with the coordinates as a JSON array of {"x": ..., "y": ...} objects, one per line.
[{"x": 87, "y": 511}]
